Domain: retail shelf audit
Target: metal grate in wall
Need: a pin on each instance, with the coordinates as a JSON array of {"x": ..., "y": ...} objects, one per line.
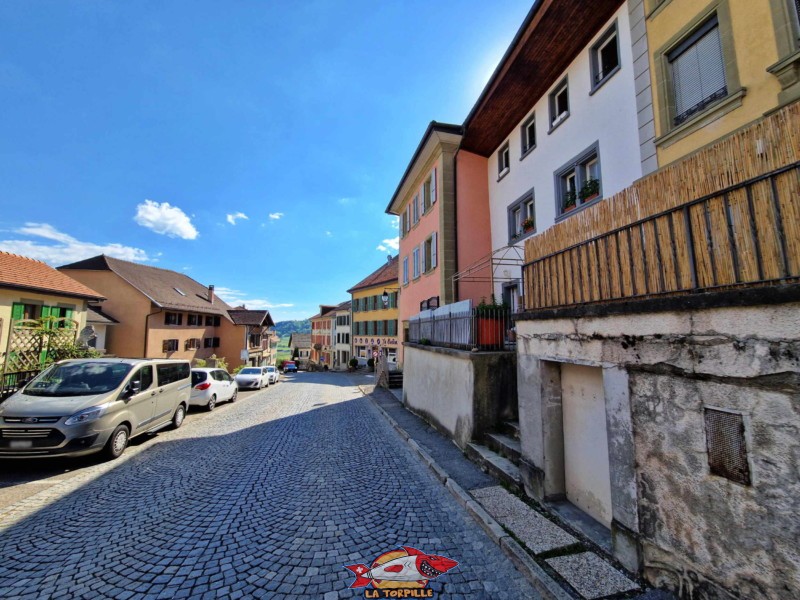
[{"x": 727, "y": 448}]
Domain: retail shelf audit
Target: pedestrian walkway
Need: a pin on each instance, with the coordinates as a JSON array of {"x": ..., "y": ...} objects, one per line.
[{"x": 567, "y": 563}]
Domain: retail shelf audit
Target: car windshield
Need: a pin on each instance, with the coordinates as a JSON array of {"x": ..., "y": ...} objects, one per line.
[
  {"x": 199, "y": 377},
  {"x": 78, "y": 379},
  {"x": 271, "y": 369},
  {"x": 252, "y": 371}
]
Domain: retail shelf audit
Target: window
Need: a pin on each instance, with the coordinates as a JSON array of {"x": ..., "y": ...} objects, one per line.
[
  {"x": 433, "y": 187},
  {"x": 404, "y": 223},
  {"x": 192, "y": 344},
  {"x": 559, "y": 104},
  {"x": 144, "y": 377},
  {"x": 503, "y": 161},
  {"x": 211, "y": 342},
  {"x": 392, "y": 328},
  {"x": 415, "y": 256},
  {"x": 171, "y": 318},
  {"x": 194, "y": 319},
  {"x": 255, "y": 340},
  {"x": 169, "y": 346},
  {"x": 380, "y": 327},
  {"x": 521, "y": 217},
  {"x": 429, "y": 254},
  {"x": 579, "y": 181},
  {"x": 405, "y": 270},
  {"x": 415, "y": 210},
  {"x": 182, "y": 293},
  {"x": 605, "y": 58},
  {"x": 171, "y": 373},
  {"x": 528, "y": 135},
  {"x": 697, "y": 69}
]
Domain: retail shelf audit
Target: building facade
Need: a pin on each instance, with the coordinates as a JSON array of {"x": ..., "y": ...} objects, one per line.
[
  {"x": 321, "y": 336},
  {"x": 718, "y": 66},
  {"x": 341, "y": 336},
  {"x": 549, "y": 154},
  {"x": 255, "y": 345},
  {"x": 374, "y": 327}
]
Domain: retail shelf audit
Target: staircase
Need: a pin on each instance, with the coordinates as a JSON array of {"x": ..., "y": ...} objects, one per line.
[
  {"x": 395, "y": 379},
  {"x": 500, "y": 454}
]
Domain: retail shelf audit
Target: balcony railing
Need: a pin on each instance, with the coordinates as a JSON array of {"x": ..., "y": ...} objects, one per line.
[
  {"x": 482, "y": 328},
  {"x": 747, "y": 234}
]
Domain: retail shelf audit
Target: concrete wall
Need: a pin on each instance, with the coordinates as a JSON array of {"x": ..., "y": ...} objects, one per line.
[
  {"x": 696, "y": 532},
  {"x": 464, "y": 394}
]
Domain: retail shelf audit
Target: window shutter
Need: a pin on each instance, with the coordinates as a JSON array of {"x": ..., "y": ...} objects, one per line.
[
  {"x": 433, "y": 186},
  {"x": 68, "y": 313},
  {"x": 698, "y": 74},
  {"x": 433, "y": 249},
  {"x": 17, "y": 311},
  {"x": 422, "y": 257},
  {"x": 164, "y": 346}
]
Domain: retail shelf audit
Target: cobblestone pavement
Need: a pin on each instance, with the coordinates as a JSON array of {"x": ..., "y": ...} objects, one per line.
[{"x": 268, "y": 497}]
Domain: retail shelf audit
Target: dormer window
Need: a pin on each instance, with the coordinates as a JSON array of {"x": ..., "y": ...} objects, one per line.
[{"x": 179, "y": 291}]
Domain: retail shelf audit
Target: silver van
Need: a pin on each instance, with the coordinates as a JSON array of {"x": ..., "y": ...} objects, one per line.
[{"x": 82, "y": 406}]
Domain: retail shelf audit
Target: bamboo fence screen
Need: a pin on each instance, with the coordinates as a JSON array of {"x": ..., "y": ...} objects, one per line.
[{"x": 727, "y": 215}]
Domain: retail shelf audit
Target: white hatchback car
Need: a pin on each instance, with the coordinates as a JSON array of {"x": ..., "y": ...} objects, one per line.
[
  {"x": 274, "y": 375},
  {"x": 211, "y": 386},
  {"x": 252, "y": 378}
]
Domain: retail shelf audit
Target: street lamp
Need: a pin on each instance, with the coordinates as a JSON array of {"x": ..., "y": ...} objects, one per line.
[{"x": 385, "y": 296}]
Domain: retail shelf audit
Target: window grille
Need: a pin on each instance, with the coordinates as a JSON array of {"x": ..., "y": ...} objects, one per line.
[{"x": 727, "y": 447}]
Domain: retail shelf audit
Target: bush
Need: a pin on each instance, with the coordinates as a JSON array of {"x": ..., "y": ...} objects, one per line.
[
  {"x": 353, "y": 363},
  {"x": 371, "y": 363},
  {"x": 239, "y": 368},
  {"x": 199, "y": 363},
  {"x": 71, "y": 351}
]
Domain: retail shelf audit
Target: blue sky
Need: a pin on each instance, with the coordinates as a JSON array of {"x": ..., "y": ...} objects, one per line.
[{"x": 253, "y": 145}]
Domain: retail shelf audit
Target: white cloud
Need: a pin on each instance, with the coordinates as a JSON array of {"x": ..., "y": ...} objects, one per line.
[
  {"x": 395, "y": 223},
  {"x": 275, "y": 216},
  {"x": 165, "y": 219},
  {"x": 237, "y": 298},
  {"x": 328, "y": 234},
  {"x": 390, "y": 244},
  {"x": 346, "y": 201},
  {"x": 237, "y": 215},
  {"x": 67, "y": 249}
]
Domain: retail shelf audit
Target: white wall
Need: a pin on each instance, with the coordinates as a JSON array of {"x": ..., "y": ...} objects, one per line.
[{"x": 609, "y": 117}]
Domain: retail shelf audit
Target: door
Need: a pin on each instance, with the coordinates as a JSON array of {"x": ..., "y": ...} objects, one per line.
[
  {"x": 143, "y": 404},
  {"x": 223, "y": 385},
  {"x": 174, "y": 382},
  {"x": 586, "y": 465}
]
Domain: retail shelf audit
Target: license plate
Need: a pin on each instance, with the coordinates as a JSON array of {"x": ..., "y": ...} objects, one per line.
[{"x": 19, "y": 444}]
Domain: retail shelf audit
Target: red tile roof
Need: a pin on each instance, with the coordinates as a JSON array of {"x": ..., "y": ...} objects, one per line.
[
  {"x": 385, "y": 274},
  {"x": 26, "y": 273}
]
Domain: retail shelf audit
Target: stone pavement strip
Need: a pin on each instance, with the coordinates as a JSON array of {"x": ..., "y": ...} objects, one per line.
[
  {"x": 268, "y": 497},
  {"x": 558, "y": 557}
]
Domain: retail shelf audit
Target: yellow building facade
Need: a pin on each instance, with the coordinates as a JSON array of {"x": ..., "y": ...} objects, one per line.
[
  {"x": 374, "y": 328},
  {"x": 717, "y": 66}
]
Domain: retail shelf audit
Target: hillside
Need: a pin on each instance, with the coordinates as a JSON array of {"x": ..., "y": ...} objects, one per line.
[{"x": 286, "y": 328}]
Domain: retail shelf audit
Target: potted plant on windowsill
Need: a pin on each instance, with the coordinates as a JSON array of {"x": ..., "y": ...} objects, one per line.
[
  {"x": 590, "y": 190},
  {"x": 527, "y": 225},
  {"x": 570, "y": 200},
  {"x": 490, "y": 321}
]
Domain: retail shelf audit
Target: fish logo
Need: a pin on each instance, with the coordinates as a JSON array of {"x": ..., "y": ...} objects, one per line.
[{"x": 406, "y": 567}]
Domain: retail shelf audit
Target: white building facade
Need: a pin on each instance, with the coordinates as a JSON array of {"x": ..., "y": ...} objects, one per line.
[
  {"x": 589, "y": 136},
  {"x": 340, "y": 337}
]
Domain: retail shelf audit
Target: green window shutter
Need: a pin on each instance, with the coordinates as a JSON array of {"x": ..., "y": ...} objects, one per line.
[
  {"x": 17, "y": 311},
  {"x": 68, "y": 313},
  {"x": 45, "y": 314}
]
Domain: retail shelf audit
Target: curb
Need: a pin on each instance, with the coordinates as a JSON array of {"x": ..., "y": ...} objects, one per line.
[{"x": 524, "y": 563}]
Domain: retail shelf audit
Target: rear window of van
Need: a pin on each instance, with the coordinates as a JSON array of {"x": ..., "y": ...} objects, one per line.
[{"x": 172, "y": 372}]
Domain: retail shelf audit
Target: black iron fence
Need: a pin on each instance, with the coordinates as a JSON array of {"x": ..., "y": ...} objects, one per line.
[
  {"x": 484, "y": 328},
  {"x": 11, "y": 382}
]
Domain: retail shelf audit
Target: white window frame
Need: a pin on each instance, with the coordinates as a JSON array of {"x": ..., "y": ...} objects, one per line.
[
  {"x": 415, "y": 272},
  {"x": 557, "y": 119},
  {"x": 405, "y": 270},
  {"x": 528, "y": 144},
  {"x": 503, "y": 161}
]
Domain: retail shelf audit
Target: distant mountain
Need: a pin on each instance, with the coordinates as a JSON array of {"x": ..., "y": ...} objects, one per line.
[{"x": 286, "y": 328}]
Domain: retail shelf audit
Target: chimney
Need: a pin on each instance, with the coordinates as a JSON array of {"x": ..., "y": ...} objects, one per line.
[
  {"x": 211, "y": 294},
  {"x": 389, "y": 258}
]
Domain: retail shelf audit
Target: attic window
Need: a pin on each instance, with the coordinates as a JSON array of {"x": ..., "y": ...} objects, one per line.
[{"x": 179, "y": 291}]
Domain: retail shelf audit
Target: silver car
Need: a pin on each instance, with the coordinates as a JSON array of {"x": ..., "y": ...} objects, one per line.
[
  {"x": 210, "y": 387},
  {"x": 274, "y": 375},
  {"x": 89, "y": 405},
  {"x": 252, "y": 378}
]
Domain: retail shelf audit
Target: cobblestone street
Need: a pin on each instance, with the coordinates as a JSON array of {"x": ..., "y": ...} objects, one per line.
[{"x": 267, "y": 497}]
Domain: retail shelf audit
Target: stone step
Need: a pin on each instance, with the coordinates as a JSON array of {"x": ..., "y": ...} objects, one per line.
[
  {"x": 395, "y": 379},
  {"x": 511, "y": 428},
  {"x": 494, "y": 464},
  {"x": 505, "y": 446}
]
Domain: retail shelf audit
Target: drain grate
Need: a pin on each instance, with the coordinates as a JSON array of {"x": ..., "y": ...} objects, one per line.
[{"x": 727, "y": 447}]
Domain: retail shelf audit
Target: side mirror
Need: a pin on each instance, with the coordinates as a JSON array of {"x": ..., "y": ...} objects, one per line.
[{"x": 133, "y": 388}]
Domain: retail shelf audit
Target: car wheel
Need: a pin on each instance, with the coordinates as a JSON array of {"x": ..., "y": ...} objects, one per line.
[
  {"x": 178, "y": 417},
  {"x": 212, "y": 402},
  {"x": 117, "y": 443},
  {"x": 235, "y": 397}
]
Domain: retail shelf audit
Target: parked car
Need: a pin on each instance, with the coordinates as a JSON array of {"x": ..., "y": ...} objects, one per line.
[
  {"x": 87, "y": 405},
  {"x": 289, "y": 367},
  {"x": 274, "y": 375},
  {"x": 252, "y": 378},
  {"x": 211, "y": 386}
]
